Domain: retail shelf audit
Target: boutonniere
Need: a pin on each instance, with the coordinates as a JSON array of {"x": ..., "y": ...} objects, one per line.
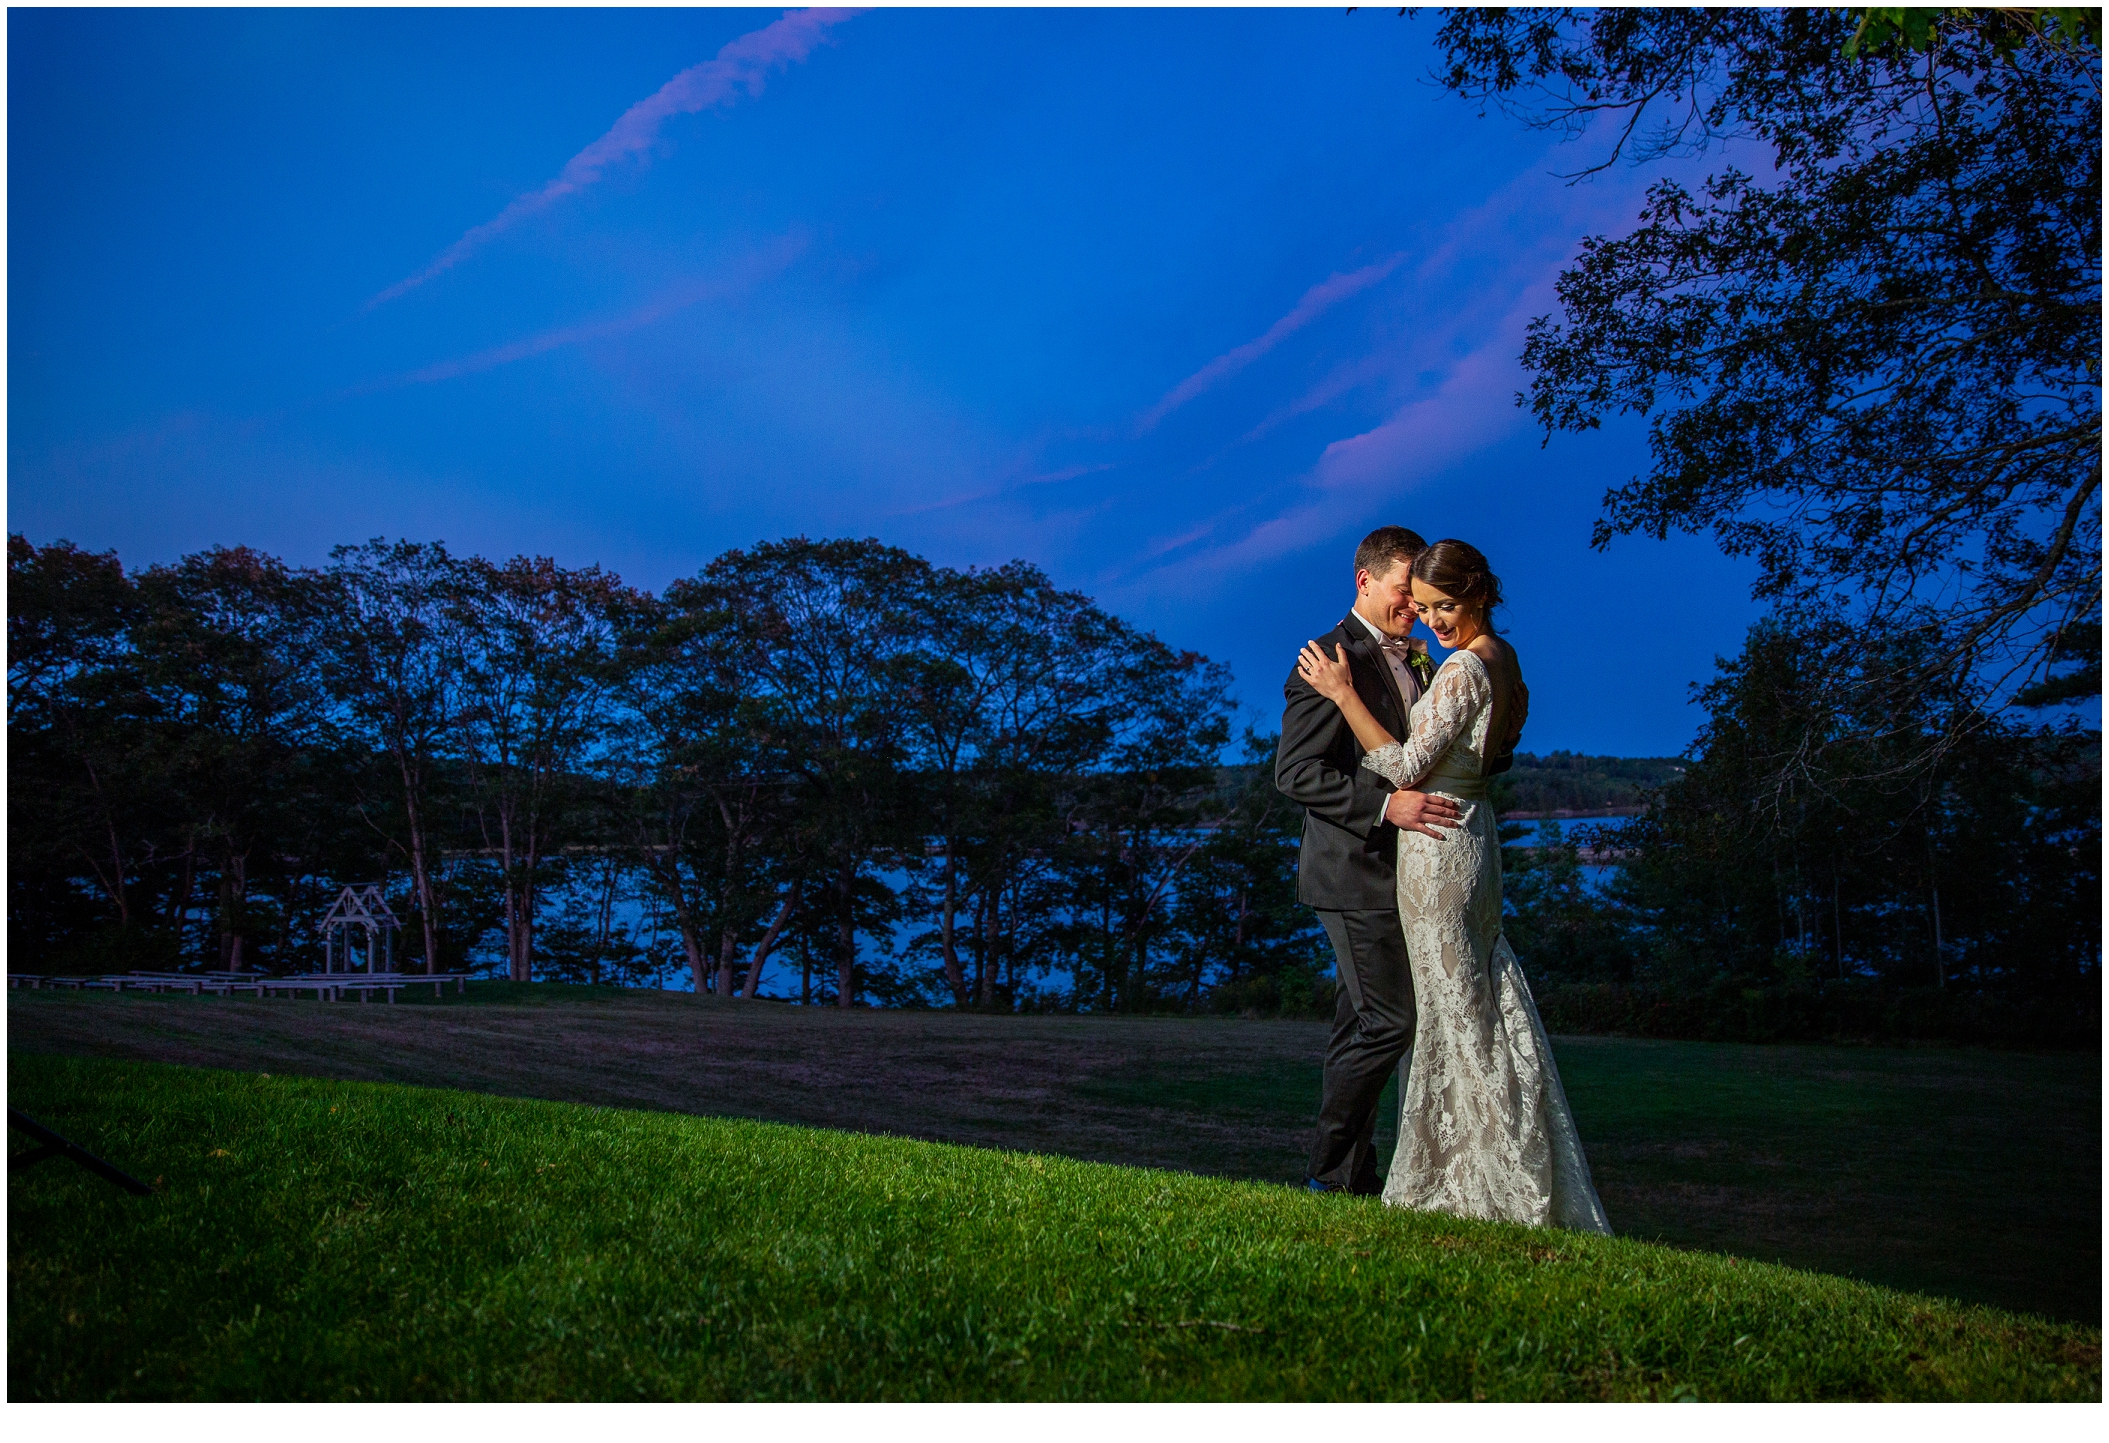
[{"x": 1423, "y": 668}]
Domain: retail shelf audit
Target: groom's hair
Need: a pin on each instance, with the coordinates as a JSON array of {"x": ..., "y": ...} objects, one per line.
[{"x": 1386, "y": 545}]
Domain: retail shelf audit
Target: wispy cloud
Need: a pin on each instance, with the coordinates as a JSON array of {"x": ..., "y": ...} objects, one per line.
[
  {"x": 740, "y": 68},
  {"x": 1472, "y": 407},
  {"x": 1067, "y": 473},
  {"x": 1315, "y": 302},
  {"x": 1500, "y": 246},
  {"x": 736, "y": 280},
  {"x": 1457, "y": 367},
  {"x": 1344, "y": 378}
]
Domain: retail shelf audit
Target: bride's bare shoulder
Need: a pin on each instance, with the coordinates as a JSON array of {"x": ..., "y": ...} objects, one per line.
[
  {"x": 1497, "y": 655},
  {"x": 1492, "y": 650}
]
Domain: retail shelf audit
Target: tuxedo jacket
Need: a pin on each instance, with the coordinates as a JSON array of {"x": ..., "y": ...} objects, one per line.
[{"x": 1349, "y": 858}]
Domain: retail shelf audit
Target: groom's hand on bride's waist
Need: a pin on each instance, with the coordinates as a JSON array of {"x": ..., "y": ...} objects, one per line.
[{"x": 1422, "y": 812}]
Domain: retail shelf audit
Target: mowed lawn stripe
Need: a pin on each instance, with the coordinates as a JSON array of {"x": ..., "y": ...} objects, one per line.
[{"x": 317, "y": 1239}]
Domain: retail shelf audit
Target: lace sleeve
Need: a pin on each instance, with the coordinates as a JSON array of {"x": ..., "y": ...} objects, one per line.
[{"x": 1438, "y": 720}]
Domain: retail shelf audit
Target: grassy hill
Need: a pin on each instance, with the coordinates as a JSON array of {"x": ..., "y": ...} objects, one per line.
[
  {"x": 320, "y": 1239},
  {"x": 1967, "y": 1173}
]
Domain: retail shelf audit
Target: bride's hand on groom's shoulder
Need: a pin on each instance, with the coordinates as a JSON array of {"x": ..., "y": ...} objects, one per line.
[{"x": 1329, "y": 676}]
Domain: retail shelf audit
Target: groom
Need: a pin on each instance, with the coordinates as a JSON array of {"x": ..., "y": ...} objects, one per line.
[{"x": 1352, "y": 820}]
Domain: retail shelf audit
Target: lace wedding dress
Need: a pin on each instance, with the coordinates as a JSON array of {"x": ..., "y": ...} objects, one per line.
[{"x": 1484, "y": 1130}]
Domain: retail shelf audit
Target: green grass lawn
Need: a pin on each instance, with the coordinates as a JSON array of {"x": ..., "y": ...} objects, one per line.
[
  {"x": 327, "y": 1239},
  {"x": 1964, "y": 1172}
]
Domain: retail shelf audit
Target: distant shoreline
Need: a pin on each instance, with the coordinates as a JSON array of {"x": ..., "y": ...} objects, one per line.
[{"x": 1565, "y": 814}]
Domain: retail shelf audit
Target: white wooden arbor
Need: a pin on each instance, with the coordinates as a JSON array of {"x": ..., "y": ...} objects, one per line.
[{"x": 360, "y": 927}]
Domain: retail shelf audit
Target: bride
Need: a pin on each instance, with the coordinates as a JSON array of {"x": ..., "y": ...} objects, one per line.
[{"x": 1484, "y": 1130}]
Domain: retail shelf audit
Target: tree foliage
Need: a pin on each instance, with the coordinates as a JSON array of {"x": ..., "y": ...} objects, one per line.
[
  {"x": 1868, "y": 347},
  {"x": 826, "y": 769},
  {"x": 1970, "y": 898}
]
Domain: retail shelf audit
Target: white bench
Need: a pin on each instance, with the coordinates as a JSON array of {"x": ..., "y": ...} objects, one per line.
[
  {"x": 327, "y": 986},
  {"x": 223, "y": 984},
  {"x": 331, "y": 986}
]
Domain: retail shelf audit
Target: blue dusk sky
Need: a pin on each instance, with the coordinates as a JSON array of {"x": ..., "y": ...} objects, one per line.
[{"x": 1176, "y": 305}]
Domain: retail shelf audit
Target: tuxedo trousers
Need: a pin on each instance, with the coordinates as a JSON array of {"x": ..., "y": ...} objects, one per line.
[{"x": 1373, "y": 1020}]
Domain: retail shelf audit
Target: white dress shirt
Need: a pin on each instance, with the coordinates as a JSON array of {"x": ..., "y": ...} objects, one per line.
[{"x": 1409, "y": 684}]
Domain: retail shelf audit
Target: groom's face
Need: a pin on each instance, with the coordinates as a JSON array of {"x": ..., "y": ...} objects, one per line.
[{"x": 1386, "y": 598}]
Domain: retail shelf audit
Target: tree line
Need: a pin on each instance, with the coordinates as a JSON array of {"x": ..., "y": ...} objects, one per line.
[
  {"x": 1956, "y": 900},
  {"x": 833, "y": 771},
  {"x": 912, "y": 784}
]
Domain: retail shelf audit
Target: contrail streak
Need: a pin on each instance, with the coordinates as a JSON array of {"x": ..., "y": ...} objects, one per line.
[
  {"x": 736, "y": 281},
  {"x": 1315, "y": 302},
  {"x": 741, "y": 67}
]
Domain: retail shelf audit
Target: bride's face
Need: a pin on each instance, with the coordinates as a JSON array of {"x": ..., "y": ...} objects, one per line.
[{"x": 1455, "y": 623}]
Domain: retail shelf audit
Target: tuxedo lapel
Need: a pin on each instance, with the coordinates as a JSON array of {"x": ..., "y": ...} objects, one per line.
[{"x": 1362, "y": 645}]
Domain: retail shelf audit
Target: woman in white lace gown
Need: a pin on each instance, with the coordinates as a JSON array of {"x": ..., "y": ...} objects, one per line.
[{"x": 1484, "y": 1129}]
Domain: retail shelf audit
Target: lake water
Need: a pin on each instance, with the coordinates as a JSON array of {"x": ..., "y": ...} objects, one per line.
[
  {"x": 1565, "y": 827},
  {"x": 782, "y": 977}
]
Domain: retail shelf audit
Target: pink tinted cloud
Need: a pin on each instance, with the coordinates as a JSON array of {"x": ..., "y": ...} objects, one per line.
[
  {"x": 1453, "y": 367},
  {"x": 1472, "y": 407},
  {"x": 1527, "y": 225},
  {"x": 1315, "y": 302},
  {"x": 740, "y": 68}
]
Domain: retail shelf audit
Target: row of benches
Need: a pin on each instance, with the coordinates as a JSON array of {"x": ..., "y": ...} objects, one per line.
[{"x": 327, "y": 986}]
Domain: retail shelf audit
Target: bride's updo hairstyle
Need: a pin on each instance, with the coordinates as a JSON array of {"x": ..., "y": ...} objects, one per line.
[{"x": 1456, "y": 568}]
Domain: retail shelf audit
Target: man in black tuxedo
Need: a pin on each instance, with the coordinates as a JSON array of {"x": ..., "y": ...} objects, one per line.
[{"x": 1352, "y": 820}]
